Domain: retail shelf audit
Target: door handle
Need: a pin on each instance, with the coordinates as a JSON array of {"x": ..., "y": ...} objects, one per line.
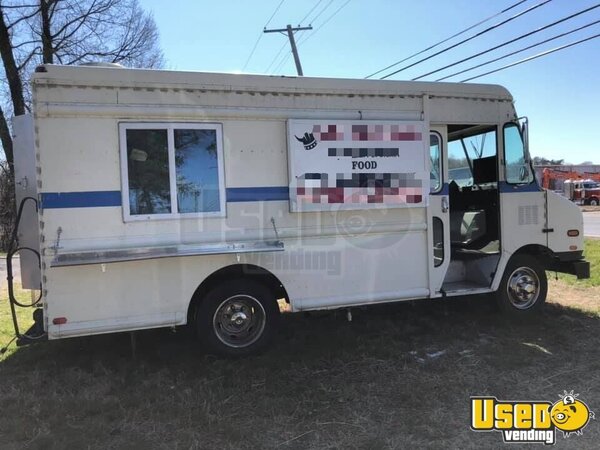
[{"x": 445, "y": 205}]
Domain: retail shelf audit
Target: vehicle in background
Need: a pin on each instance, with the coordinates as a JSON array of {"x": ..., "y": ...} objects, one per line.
[
  {"x": 581, "y": 188},
  {"x": 583, "y": 192}
]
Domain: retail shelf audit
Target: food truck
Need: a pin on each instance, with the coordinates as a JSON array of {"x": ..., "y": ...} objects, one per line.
[{"x": 152, "y": 198}]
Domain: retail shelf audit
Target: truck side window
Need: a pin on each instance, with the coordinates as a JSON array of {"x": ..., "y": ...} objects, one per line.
[
  {"x": 196, "y": 170},
  {"x": 172, "y": 170},
  {"x": 435, "y": 161},
  {"x": 148, "y": 170},
  {"x": 515, "y": 159}
]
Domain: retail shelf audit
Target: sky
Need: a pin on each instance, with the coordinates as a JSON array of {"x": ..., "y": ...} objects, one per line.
[{"x": 559, "y": 93}]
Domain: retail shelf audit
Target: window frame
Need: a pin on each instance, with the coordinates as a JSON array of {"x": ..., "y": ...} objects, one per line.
[
  {"x": 170, "y": 127},
  {"x": 439, "y": 220},
  {"x": 525, "y": 156},
  {"x": 441, "y": 165},
  {"x": 479, "y": 130}
]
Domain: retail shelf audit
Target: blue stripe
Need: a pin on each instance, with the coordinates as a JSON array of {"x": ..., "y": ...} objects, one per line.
[
  {"x": 503, "y": 187},
  {"x": 508, "y": 188},
  {"x": 50, "y": 200},
  {"x": 444, "y": 191},
  {"x": 91, "y": 199},
  {"x": 258, "y": 194}
]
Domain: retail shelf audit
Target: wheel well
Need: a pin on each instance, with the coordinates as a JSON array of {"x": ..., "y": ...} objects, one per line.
[
  {"x": 543, "y": 254},
  {"x": 236, "y": 271}
]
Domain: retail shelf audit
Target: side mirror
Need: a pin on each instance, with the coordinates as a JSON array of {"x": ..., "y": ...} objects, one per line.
[{"x": 523, "y": 173}]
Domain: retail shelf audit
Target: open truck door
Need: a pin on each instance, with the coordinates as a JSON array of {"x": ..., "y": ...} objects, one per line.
[{"x": 439, "y": 211}]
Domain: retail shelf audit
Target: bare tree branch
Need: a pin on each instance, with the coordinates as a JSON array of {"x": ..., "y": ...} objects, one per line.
[
  {"x": 7, "y": 143},
  {"x": 10, "y": 68},
  {"x": 22, "y": 18},
  {"x": 28, "y": 58},
  {"x": 68, "y": 32}
]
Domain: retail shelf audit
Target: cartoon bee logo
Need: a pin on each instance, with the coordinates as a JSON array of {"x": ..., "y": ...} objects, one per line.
[{"x": 570, "y": 415}]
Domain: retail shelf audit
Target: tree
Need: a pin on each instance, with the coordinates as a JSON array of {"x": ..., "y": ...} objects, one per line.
[
  {"x": 66, "y": 32},
  {"x": 7, "y": 196},
  {"x": 541, "y": 161}
]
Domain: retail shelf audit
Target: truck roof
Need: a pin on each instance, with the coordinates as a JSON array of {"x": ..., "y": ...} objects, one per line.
[{"x": 147, "y": 78}]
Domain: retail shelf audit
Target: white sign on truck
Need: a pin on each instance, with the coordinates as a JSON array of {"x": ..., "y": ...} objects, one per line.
[
  {"x": 163, "y": 199},
  {"x": 357, "y": 164}
]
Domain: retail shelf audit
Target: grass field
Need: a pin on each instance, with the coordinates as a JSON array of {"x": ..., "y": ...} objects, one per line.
[
  {"x": 397, "y": 376},
  {"x": 6, "y": 325},
  {"x": 592, "y": 254}
]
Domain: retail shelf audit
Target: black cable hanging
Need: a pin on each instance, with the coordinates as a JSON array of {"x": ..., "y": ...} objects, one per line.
[
  {"x": 519, "y": 51},
  {"x": 523, "y": 36},
  {"x": 261, "y": 35},
  {"x": 531, "y": 58},
  {"x": 487, "y": 30},
  {"x": 448, "y": 38}
]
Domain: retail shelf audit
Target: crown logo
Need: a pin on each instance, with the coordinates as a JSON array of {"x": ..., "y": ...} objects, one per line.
[{"x": 308, "y": 140}]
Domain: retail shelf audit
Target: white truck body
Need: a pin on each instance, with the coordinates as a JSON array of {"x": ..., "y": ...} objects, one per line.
[{"x": 121, "y": 258}]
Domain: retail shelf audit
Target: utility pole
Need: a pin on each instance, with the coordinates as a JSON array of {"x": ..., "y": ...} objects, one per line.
[{"x": 290, "y": 33}]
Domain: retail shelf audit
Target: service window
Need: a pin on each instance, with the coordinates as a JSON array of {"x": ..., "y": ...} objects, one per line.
[
  {"x": 172, "y": 170},
  {"x": 515, "y": 156}
]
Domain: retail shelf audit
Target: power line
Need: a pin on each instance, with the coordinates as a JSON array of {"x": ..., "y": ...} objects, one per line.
[
  {"x": 325, "y": 22},
  {"x": 310, "y": 12},
  {"x": 493, "y": 27},
  {"x": 448, "y": 38},
  {"x": 274, "y": 12},
  {"x": 302, "y": 41},
  {"x": 322, "y": 11},
  {"x": 282, "y": 63},
  {"x": 519, "y": 51},
  {"x": 261, "y": 35},
  {"x": 284, "y": 44},
  {"x": 289, "y": 30},
  {"x": 252, "y": 52},
  {"x": 531, "y": 58},
  {"x": 276, "y": 57},
  {"x": 523, "y": 36}
]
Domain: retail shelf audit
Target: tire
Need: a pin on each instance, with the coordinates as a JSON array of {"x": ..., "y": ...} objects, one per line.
[
  {"x": 523, "y": 288},
  {"x": 593, "y": 202},
  {"x": 237, "y": 318}
]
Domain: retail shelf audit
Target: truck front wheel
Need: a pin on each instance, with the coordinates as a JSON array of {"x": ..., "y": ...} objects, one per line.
[
  {"x": 523, "y": 287},
  {"x": 594, "y": 201},
  {"x": 237, "y": 318}
]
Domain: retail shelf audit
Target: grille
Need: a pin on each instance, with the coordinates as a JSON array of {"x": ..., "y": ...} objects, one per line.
[{"x": 528, "y": 215}]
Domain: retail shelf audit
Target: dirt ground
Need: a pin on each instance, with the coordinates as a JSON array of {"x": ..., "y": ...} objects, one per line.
[
  {"x": 588, "y": 208},
  {"x": 397, "y": 376}
]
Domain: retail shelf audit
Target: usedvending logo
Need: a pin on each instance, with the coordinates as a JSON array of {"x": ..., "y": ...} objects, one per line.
[{"x": 531, "y": 422}]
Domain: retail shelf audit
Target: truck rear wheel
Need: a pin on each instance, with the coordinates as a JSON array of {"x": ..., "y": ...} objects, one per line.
[
  {"x": 523, "y": 288},
  {"x": 238, "y": 318}
]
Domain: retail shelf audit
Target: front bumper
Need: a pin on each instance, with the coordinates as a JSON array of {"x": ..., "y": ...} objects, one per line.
[{"x": 572, "y": 263}]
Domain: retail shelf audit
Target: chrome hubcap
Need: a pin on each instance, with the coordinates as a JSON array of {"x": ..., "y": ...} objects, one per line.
[
  {"x": 239, "y": 321},
  {"x": 523, "y": 288}
]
